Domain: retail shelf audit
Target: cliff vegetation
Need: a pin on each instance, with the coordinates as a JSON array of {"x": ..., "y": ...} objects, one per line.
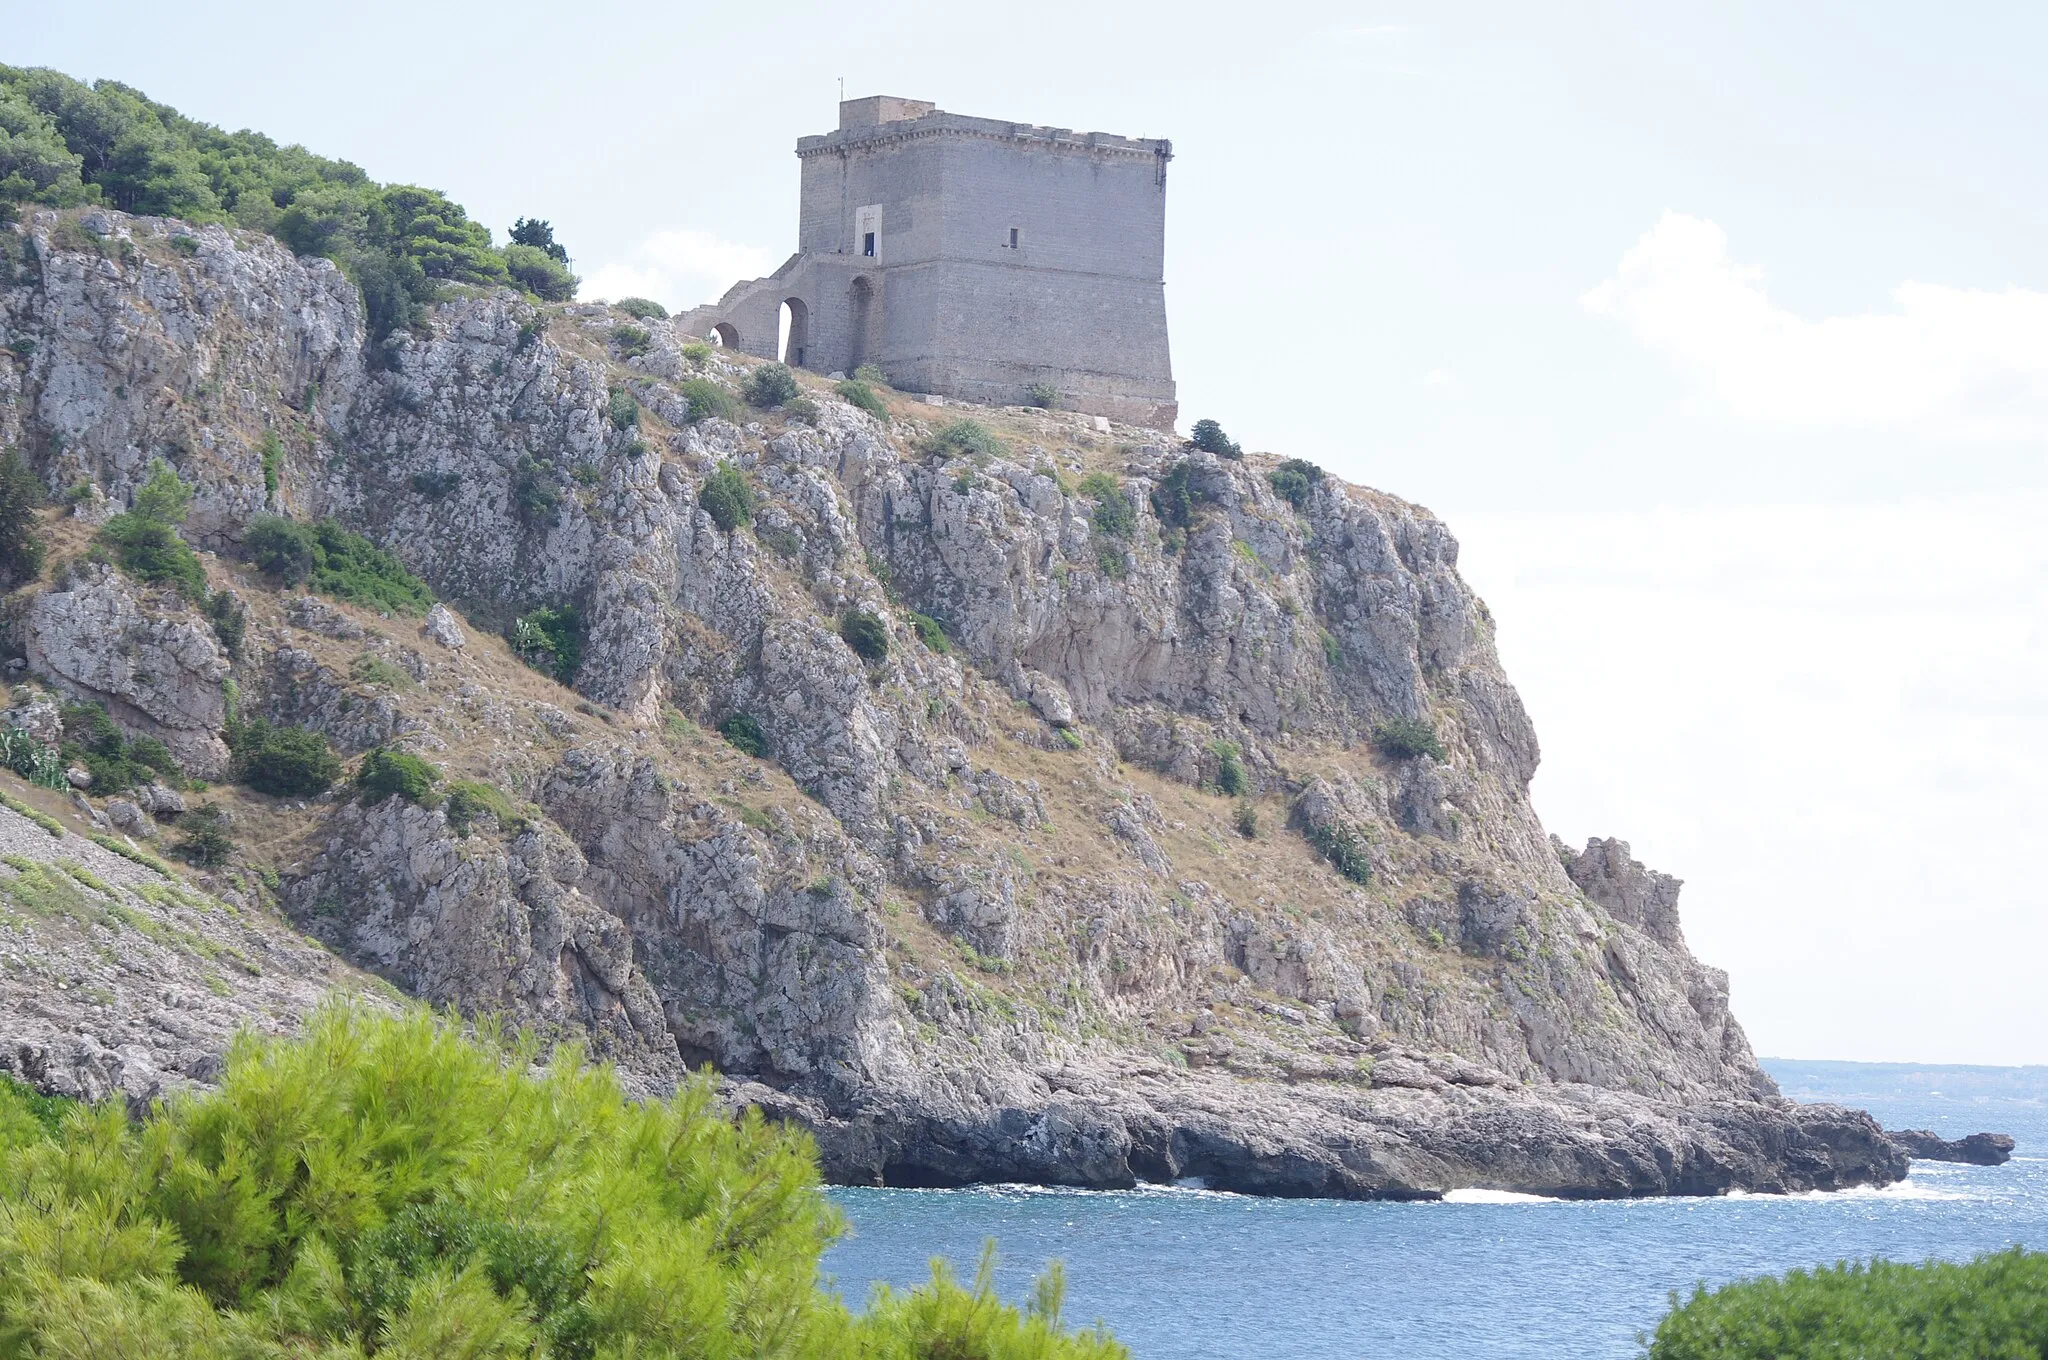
[{"x": 65, "y": 143}]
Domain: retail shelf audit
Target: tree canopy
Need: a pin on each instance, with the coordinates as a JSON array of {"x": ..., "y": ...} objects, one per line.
[{"x": 64, "y": 143}]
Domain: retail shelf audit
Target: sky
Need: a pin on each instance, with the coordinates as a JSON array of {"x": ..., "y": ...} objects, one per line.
[{"x": 1717, "y": 333}]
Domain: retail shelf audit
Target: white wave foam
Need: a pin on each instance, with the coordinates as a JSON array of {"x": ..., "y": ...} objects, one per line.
[
  {"x": 1478, "y": 1196},
  {"x": 1906, "y": 1189}
]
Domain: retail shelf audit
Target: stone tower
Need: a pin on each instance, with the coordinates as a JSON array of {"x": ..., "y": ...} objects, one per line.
[{"x": 972, "y": 258}]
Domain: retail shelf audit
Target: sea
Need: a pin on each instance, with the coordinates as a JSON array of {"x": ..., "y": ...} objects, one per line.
[{"x": 1183, "y": 1273}]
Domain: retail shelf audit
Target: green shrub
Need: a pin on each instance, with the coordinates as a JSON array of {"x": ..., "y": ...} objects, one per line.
[
  {"x": 1345, "y": 848},
  {"x": 858, "y": 394},
  {"x": 1231, "y": 779},
  {"x": 435, "y": 485},
  {"x": 115, "y": 763},
  {"x": 385, "y": 772},
  {"x": 551, "y": 641},
  {"x": 1296, "y": 480},
  {"x": 144, "y": 539},
  {"x": 1042, "y": 395},
  {"x": 229, "y": 619},
  {"x": 708, "y": 400},
  {"x": 185, "y": 245},
  {"x": 282, "y": 549},
  {"x": 632, "y": 341},
  {"x": 1114, "y": 515},
  {"x": 1996, "y": 1305},
  {"x": 1333, "y": 650},
  {"x": 645, "y": 309},
  {"x": 965, "y": 439},
  {"x": 271, "y": 450},
  {"x": 1247, "y": 819},
  {"x": 373, "y": 669},
  {"x": 696, "y": 351},
  {"x": 204, "y": 837},
  {"x": 282, "y": 760},
  {"x": 803, "y": 410},
  {"x": 1174, "y": 496},
  {"x": 384, "y": 1185},
  {"x": 534, "y": 493},
  {"x": 1406, "y": 738},
  {"x": 334, "y": 562},
  {"x": 728, "y": 497},
  {"x": 866, "y": 634},
  {"x": 621, "y": 408},
  {"x": 770, "y": 385},
  {"x": 468, "y": 800},
  {"x": 1209, "y": 438},
  {"x": 871, "y": 375},
  {"x": 931, "y": 633},
  {"x": 22, "y": 550},
  {"x": 540, "y": 273},
  {"x": 744, "y": 734}
]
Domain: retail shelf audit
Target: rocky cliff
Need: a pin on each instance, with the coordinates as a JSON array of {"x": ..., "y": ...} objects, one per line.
[{"x": 978, "y": 911}]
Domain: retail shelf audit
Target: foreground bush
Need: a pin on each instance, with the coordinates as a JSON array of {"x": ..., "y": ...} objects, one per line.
[
  {"x": 1996, "y": 1306},
  {"x": 384, "y": 1186}
]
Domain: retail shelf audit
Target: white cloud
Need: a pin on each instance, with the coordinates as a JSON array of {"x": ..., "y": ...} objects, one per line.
[
  {"x": 1830, "y": 721},
  {"x": 1952, "y": 360},
  {"x": 679, "y": 269}
]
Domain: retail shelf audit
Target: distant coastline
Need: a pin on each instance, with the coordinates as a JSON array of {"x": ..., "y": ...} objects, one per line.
[{"x": 1965, "y": 1083}]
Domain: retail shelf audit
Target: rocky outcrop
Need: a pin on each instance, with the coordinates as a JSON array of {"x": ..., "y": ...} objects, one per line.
[
  {"x": 980, "y": 908},
  {"x": 1976, "y": 1149},
  {"x": 149, "y": 657}
]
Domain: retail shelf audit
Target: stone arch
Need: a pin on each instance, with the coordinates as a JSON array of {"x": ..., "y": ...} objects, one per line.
[
  {"x": 795, "y": 327},
  {"x": 724, "y": 333}
]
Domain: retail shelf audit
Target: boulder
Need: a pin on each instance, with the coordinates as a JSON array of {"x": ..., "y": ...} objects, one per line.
[
  {"x": 442, "y": 627},
  {"x": 129, "y": 818}
]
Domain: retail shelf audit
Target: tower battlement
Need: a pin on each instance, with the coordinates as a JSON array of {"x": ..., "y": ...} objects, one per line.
[{"x": 973, "y": 258}]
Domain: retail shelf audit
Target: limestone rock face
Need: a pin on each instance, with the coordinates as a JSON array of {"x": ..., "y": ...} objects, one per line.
[
  {"x": 485, "y": 927},
  {"x": 150, "y": 658},
  {"x": 1049, "y": 888}
]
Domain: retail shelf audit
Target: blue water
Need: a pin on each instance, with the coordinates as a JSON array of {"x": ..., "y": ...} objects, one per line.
[{"x": 1186, "y": 1273}]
